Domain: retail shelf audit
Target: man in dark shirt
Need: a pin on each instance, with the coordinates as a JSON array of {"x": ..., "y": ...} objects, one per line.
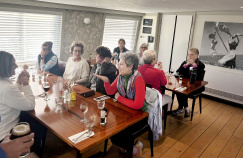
[{"x": 184, "y": 70}]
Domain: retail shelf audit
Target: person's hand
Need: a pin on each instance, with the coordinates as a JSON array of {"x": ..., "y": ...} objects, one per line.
[
  {"x": 43, "y": 54},
  {"x": 115, "y": 54},
  {"x": 25, "y": 67},
  {"x": 14, "y": 148},
  {"x": 160, "y": 65},
  {"x": 117, "y": 95},
  {"x": 23, "y": 78},
  {"x": 103, "y": 78},
  {"x": 107, "y": 59},
  {"x": 189, "y": 62}
]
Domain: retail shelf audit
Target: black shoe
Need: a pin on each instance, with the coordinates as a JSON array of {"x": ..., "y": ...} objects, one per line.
[
  {"x": 177, "y": 112},
  {"x": 187, "y": 112}
]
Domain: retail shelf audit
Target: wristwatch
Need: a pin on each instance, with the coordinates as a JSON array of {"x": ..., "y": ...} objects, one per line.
[{"x": 41, "y": 58}]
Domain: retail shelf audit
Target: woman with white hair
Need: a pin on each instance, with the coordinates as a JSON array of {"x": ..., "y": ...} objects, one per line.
[
  {"x": 142, "y": 48},
  {"x": 150, "y": 74},
  {"x": 77, "y": 68},
  {"x": 129, "y": 89}
]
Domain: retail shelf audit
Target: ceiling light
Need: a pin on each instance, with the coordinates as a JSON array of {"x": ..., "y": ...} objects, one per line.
[{"x": 241, "y": 7}]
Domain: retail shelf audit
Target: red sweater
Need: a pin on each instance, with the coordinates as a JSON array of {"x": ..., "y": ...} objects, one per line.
[
  {"x": 152, "y": 75},
  {"x": 139, "y": 99}
]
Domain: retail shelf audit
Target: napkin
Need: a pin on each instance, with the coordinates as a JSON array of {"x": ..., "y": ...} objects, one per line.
[
  {"x": 84, "y": 136},
  {"x": 180, "y": 89}
]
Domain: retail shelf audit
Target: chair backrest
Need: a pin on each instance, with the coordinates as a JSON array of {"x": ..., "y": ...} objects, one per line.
[
  {"x": 148, "y": 85},
  {"x": 62, "y": 66},
  {"x": 162, "y": 88},
  {"x": 203, "y": 75}
]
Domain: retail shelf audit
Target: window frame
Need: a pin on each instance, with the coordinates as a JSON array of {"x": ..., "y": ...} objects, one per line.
[
  {"x": 38, "y": 11},
  {"x": 126, "y": 17}
]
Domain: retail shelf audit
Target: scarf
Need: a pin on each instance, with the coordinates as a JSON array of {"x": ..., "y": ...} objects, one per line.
[{"x": 128, "y": 84}]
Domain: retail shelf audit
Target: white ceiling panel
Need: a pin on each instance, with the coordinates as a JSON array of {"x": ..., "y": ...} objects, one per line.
[{"x": 152, "y": 6}]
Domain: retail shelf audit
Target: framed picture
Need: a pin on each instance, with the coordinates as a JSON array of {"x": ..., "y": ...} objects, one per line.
[
  {"x": 148, "y": 22},
  {"x": 222, "y": 44},
  {"x": 147, "y": 30}
]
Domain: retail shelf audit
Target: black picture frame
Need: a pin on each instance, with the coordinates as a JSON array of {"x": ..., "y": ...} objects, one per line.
[
  {"x": 148, "y": 22},
  {"x": 147, "y": 30}
]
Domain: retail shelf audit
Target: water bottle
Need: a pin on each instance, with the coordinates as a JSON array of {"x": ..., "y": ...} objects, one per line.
[
  {"x": 103, "y": 116},
  {"x": 193, "y": 75}
]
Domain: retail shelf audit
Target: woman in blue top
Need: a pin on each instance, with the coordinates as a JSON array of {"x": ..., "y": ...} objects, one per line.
[{"x": 47, "y": 60}]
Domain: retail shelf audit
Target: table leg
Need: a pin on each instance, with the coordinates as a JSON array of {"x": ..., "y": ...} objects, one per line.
[{"x": 79, "y": 155}]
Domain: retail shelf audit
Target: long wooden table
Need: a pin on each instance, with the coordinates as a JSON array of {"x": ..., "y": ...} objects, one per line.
[{"x": 65, "y": 121}]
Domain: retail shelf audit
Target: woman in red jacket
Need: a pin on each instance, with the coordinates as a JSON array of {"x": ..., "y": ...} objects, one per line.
[
  {"x": 129, "y": 86},
  {"x": 129, "y": 89}
]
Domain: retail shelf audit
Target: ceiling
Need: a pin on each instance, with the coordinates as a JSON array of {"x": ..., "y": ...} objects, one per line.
[{"x": 153, "y": 6}]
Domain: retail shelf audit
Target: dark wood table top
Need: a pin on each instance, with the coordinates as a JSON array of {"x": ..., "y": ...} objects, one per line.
[
  {"x": 185, "y": 83},
  {"x": 64, "y": 121}
]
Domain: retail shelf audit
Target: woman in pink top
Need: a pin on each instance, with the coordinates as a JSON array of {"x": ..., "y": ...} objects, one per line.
[{"x": 150, "y": 74}]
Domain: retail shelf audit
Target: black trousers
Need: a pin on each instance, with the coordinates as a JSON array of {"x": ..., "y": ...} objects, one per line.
[
  {"x": 121, "y": 139},
  {"x": 38, "y": 129},
  {"x": 182, "y": 100}
]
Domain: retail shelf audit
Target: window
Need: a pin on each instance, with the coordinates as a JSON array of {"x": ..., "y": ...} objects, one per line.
[
  {"x": 22, "y": 34},
  {"x": 116, "y": 28}
]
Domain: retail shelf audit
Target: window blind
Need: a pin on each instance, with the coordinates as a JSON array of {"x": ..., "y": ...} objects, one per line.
[
  {"x": 22, "y": 34},
  {"x": 116, "y": 28}
]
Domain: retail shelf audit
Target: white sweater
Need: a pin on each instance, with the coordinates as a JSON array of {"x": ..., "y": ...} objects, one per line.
[
  {"x": 77, "y": 71},
  {"x": 12, "y": 102}
]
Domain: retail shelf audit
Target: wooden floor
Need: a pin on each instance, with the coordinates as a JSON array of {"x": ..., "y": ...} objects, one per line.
[{"x": 217, "y": 132}]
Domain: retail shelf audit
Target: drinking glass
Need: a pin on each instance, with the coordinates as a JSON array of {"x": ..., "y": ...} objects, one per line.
[
  {"x": 45, "y": 74},
  {"x": 19, "y": 130},
  {"x": 89, "y": 124},
  {"x": 101, "y": 103},
  {"x": 172, "y": 70},
  {"x": 84, "y": 109},
  {"x": 46, "y": 87}
]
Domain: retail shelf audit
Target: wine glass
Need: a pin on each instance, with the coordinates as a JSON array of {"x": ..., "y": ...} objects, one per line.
[
  {"x": 100, "y": 103},
  {"x": 46, "y": 87},
  {"x": 84, "y": 109},
  {"x": 172, "y": 70},
  {"x": 45, "y": 74}
]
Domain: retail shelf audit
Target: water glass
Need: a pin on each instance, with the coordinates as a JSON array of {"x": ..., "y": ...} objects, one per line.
[{"x": 101, "y": 103}]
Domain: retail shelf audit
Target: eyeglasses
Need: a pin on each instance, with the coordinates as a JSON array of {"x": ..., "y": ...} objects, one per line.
[{"x": 144, "y": 47}]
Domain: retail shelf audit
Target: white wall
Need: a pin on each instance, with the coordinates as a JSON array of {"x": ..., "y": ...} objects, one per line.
[
  {"x": 142, "y": 37},
  {"x": 181, "y": 40},
  {"x": 227, "y": 80}
]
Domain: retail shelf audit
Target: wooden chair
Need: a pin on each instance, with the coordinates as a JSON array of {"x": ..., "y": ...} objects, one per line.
[
  {"x": 165, "y": 106},
  {"x": 193, "y": 96},
  {"x": 132, "y": 138},
  {"x": 62, "y": 66}
]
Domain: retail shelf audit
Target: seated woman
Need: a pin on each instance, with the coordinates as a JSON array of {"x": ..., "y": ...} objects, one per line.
[
  {"x": 77, "y": 68},
  {"x": 48, "y": 60},
  {"x": 102, "y": 67},
  {"x": 142, "y": 48},
  {"x": 129, "y": 89},
  {"x": 12, "y": 101},
  {"x": 118, "y": 50},
  {"x": 150, "y": 74},
  {"x": 192, "y": 61}
]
